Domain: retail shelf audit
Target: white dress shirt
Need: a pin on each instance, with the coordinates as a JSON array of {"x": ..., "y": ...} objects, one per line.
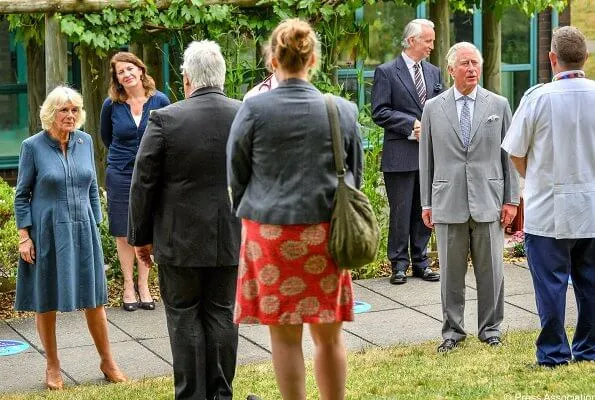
[
  {"x": 459, "y": 102},
  {"x": 410, "y": 63}
]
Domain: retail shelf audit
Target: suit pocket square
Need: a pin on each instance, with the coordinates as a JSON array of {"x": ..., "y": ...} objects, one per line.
[{"x": 493, "y": 117}]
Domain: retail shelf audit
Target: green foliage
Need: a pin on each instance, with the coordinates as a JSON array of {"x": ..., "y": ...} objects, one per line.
[
  {"x": 27, "y": 27},
  {"x": 527, "y": 6},
  {"x": 9, "y": 238},
  {"x": 518, "y": 250},
  {"x": 240, "y": 31},
  {"x": 373, "y": 187},
  {"x": 108, "y": 243}
]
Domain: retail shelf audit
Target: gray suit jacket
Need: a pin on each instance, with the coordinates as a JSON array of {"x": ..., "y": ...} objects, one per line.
[
  {"x": 280, "y": 159},
  {"x": 458, "y": 184},
  {"x": 178, "y": 196}
]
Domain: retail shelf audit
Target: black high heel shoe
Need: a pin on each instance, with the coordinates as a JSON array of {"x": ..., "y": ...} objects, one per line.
[
  {"x": 129, "y": 306},
  {"x": 145, "y": 305}
]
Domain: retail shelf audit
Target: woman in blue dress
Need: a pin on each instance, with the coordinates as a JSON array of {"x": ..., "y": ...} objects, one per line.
[
  {"x": 57, "y": 212},
  {"x": 124, "y": 116}
]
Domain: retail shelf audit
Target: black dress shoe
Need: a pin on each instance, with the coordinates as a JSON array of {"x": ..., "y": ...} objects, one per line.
[
  {"x": 253, "y": 397},
  {"x": 494, "y": 341},
  {"x": 448, "y": 345},
  {"x": 427, "y": 274},
  {"x": 398, "y": 278}
]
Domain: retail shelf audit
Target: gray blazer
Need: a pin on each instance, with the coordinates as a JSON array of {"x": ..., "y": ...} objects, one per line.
[
  {"x": 178, "y": 196},
  {"x": 280, "y": 165},
  {"x": 459, "y": 184}
]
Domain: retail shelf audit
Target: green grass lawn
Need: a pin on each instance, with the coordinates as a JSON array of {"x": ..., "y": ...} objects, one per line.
[
  {"x": 475, "y": 371},
  {"x": 583, "y": 17}
]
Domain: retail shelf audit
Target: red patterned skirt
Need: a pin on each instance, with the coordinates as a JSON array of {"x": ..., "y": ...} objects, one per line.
[{"x": 286, "y": 276}]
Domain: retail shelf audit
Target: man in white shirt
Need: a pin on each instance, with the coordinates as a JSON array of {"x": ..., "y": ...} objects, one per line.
[
  {"x": 551, "y": 142},
  {"x": 469, "y": 193},
  {"x": 268, "y": 84}
]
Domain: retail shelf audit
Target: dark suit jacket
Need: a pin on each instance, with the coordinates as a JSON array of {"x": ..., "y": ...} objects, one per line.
[
  {"x": 395, "y": 106},
  {"x": 280, "y": 157},
  {"x": 178, "y": 197}
]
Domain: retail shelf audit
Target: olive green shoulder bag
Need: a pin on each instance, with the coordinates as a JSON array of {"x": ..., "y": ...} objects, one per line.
[{"x": 354, "y": 232}]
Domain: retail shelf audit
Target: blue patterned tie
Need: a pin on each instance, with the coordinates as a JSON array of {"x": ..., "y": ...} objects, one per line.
[{"x": 465, "y": 122}]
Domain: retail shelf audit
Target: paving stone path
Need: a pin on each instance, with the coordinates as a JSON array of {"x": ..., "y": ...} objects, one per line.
[{"x": 407, "y": 313}]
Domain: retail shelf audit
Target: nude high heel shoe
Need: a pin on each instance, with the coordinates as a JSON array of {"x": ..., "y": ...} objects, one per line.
[
  {"x": 54, "y": 381},
  {"x": 114, "y": 375}
]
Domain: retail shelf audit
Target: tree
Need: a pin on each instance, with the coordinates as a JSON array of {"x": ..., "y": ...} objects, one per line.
[
  {"x": 492, "y": 11},
  {"x": 117, "y": 23}
]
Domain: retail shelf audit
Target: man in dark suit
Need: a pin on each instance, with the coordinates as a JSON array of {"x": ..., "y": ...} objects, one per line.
[
  {"x": 180, "y": 209},
  {"x": 401, "y": 87}
]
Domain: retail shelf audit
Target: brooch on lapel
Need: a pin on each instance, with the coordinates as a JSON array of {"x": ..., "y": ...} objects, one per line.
[
  {"x": 437, "y": 87},
  {"x": 80, "y": 140},
  {"x": 493, "y": 117}
]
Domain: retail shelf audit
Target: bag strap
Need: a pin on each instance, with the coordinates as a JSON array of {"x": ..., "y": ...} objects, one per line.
[{"x": 333, "y": 118}]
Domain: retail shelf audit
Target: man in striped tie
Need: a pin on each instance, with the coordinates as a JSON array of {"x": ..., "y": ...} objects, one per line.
[
  {"x": 401, "y": 88},
  {"x": 469, "y": 193}
]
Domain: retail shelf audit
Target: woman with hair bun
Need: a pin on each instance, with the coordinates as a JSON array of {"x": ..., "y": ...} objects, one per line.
[{"x": 282, "y": 177}]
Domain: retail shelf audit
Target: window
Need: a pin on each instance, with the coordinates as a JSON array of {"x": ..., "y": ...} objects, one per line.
[
  {"x": 461, "y": 27},
  {"x": 13, "y": 98},
  {"x": 386, "y": 21},
  {"x": 519, "y": 55}
]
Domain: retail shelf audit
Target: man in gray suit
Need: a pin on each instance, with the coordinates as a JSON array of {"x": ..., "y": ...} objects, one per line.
[
  {"x": 469, "y": 192},
  {"x": 179, "y": 204}
]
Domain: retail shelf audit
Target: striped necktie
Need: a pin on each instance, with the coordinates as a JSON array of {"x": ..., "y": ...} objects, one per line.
[
  {"x": 419, "y": 84},
  {"x": 465, "y": 121}
]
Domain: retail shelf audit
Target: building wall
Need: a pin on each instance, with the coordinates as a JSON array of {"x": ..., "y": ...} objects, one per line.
[{"x": 544, "y": 40}]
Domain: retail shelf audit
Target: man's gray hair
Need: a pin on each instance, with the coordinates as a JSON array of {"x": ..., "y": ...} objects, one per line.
[
  {"x": 451, "y": 56},
  {"x": 414, "y": 29},
  {"x": 204, "y": 65}
]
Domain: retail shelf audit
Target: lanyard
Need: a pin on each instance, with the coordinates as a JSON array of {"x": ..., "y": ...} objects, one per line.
[{"x": 568, "y": 75}]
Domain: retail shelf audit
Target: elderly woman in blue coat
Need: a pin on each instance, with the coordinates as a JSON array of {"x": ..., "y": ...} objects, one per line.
[{"x": 57, "y": 211}]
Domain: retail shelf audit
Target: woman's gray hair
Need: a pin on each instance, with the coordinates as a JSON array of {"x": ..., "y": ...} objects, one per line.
[
  {"x": 451, "y": 56},
  {"x": 56, "y": 100},
  {"x": 414, "y": 29},
  {"x": 204, "y": 65}
]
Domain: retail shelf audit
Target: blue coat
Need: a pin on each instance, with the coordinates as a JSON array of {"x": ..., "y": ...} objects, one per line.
[
  {"x": 58, "y": 200},
  {"x": 119, "y": 133}
]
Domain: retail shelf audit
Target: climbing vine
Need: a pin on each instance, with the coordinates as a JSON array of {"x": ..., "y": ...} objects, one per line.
[{"x": 240, "y": 31}]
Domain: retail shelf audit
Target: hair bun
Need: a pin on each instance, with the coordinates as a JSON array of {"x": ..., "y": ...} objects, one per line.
[{"x": 292, "y": 43}]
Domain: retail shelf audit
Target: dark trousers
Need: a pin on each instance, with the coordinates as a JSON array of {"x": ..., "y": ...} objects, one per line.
[
  {"x": 199, "y": 306},
  {"x": 406, "y": 232},
  {"x": 551, "y": 261}
]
